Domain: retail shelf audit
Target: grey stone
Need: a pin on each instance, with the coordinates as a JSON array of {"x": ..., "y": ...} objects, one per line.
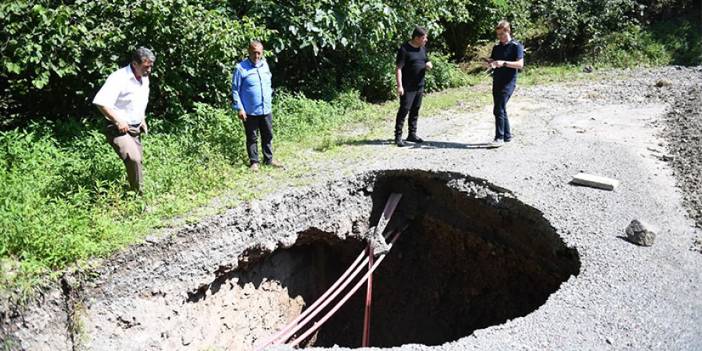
[
  {"x": 640, "y": 233},
  {"x": 663, "y": 82}
]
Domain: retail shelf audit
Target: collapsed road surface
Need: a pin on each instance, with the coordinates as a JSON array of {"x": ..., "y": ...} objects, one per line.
[{"x": 502, "y": 252}]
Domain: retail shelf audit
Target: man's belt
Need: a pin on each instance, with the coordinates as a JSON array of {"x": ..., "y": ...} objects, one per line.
[{"x": 134, "y": 129}]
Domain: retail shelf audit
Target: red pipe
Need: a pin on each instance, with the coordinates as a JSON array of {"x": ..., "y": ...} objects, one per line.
[
  {"x": 369, "y": 299},
  {"x": 324, "y": 304},
  {"x": 274, "y": 338},
  {"x": 286, "y": 332},
  {"x": 358, "y": 285},
  {"x": 390, "y": 206}
]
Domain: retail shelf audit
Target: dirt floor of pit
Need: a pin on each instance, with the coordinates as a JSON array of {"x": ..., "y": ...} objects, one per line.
[{"x": 625, "y": 297}]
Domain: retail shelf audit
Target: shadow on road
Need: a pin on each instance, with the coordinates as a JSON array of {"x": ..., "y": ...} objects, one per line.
[{"x": 427, "y": 144}]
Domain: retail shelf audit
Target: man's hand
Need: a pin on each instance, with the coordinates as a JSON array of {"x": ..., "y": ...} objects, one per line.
[
  {"x": 430, "y": 65},
  {"x": 501, "y": 63},
  {"x": 400, "y": 91},
  {"x": 488, "y": 63},
  {"x": 122, "y": 126},
  {"x": 111, "y": 116},
  {"x": 242, "y": 115},
  {"x": 144, "y": 127}
]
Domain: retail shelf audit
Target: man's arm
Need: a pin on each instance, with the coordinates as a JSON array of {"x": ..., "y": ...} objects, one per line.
[
  {"x": 399, "y": 63},
  {"x": 104, "y": 99},
  {"x": 111, "y": 116},
  {"x": 519, "y": 64},
  {"x": 398, "y": 79},
  {"x": 236, "y": 98}
]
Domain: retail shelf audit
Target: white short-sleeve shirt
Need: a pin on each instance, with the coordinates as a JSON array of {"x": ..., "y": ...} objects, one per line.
[{"x": 125, "y": 95}]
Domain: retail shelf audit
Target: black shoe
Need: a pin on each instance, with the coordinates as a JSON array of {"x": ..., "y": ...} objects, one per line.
[
  {"x": 399, "y": 142},
  {"x": 508, "y": 140},
  {"x": 414, "y": 138}
]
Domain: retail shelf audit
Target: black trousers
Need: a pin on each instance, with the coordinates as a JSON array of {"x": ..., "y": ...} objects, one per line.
[
  {"x": 263, "y": 125},
  {"x": 500, "y": 98},
  {"x": 410, "y": 103}
]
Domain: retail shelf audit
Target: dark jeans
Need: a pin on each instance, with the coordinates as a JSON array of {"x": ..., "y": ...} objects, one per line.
[
  {"x": 500, "y": 98},
  {"x": 253, "y": 125},
  {"x": 410, "y": 103}
]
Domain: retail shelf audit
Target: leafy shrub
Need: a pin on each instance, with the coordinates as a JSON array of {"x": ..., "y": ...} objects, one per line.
[
  {"x": 444, "y": 75},
  {"x": 58, "y": 54},
  {"x": 630, "y": 47},
  {"x": 682, "y": 39},
  {"x": 377, "y": 80},
  {"x": 574, "y": 24},
  {"x": 327, "y": 46},
  {"x": 295, "y": 115}
]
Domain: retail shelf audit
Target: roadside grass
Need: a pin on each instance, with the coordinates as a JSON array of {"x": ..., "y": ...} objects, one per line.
[
  {"x": 552, "y": 74},
  {"x": 65, "y": 203}
]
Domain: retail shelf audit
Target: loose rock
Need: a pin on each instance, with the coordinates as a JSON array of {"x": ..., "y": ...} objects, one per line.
[{"x": 640, "y": 233}]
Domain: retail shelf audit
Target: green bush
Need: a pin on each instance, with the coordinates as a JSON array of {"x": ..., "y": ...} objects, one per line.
[
  {"x": 444, "y": 75},
  {"x": 682, "y": 39},
  {"x": 568, "y": 31},
  {"x": 377, "y": 80},
  {"x": 630, "y": 47},
  {"x": 56, "y": 55},
  {"x": 326, "y": 46},
  {"x": 662, "y": 43},
  {"x": 572, "y": 25}
]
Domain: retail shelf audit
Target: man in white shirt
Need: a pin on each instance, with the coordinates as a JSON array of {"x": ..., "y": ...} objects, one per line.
[{"x": 122, "y": 100}]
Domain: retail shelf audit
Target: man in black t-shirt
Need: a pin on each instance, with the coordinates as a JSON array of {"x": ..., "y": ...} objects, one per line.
[
  {"x": 506, "y": 59},
  {"x": 412, "y": 64}
]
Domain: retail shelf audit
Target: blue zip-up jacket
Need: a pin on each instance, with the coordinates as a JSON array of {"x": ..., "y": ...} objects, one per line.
[{"x": 251, "y": 88}]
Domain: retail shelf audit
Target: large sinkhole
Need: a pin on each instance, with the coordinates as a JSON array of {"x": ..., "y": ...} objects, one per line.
[{"x": 471, "y": 256}]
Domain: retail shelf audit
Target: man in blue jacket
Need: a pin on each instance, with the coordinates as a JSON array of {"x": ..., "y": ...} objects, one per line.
[
  {"x": 506, "y": 59},
  {"x": 252, "y": 96}
]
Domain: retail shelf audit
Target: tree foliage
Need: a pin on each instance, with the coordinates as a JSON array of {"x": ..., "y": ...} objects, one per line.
[{"x": 55, "y": 56}]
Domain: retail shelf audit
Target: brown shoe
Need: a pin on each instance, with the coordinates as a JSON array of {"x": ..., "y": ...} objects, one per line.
[{"x": 254, "y": 167}]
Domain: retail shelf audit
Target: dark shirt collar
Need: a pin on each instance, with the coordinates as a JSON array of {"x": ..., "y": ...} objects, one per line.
[{"x": 510, "y": 41}]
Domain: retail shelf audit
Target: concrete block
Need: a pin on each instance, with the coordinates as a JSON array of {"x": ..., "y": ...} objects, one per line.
[{"x": 595, "y": 181}]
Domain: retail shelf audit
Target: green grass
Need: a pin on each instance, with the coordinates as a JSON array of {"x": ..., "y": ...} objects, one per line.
[
  {"x": 64, "y": 197},
  {"x": 552, "y": 74}
]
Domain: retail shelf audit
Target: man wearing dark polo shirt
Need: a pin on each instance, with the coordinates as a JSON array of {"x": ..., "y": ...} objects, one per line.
[
  {"x": 506, "y": 59},
  {"x": 411, "y": 65}
]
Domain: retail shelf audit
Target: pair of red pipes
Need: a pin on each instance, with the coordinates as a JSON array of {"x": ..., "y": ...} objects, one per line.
[{"x": 349, "y": 275}]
